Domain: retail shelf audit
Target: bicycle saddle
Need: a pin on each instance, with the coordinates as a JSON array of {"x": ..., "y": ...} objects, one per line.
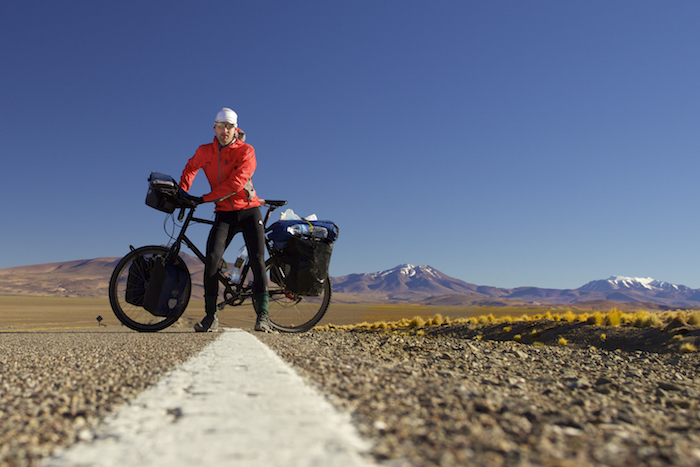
[{"x": 274, "y": 202}]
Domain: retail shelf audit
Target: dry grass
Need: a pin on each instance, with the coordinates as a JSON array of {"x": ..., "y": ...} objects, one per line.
[
  {"x": 534, "y": 328},
  {"x": 613, "y": 318}
]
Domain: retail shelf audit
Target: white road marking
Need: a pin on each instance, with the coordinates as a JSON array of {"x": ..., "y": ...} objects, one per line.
[{"x": 234, "y": 403}]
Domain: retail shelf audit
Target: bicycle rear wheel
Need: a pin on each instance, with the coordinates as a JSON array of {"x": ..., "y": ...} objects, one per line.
[
  {"x": 295, "y": 313},
  {"x": 131, "y": 272}
]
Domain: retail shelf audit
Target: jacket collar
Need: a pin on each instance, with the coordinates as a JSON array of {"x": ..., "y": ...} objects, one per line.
[{"x": 234, "y": 144}]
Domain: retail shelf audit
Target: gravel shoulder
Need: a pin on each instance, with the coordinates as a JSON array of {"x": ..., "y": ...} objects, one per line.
[
  {"x": 471, "y": 395},
  {"x": 56, "y": 386}
]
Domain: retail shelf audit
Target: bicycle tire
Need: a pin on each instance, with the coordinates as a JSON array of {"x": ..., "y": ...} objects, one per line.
[
  {"x": 294, "y": 313},
  {"x": 134, "y": 316}
]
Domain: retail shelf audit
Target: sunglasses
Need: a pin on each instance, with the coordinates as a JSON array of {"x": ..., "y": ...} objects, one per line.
[{"x": 226, "y": 125}]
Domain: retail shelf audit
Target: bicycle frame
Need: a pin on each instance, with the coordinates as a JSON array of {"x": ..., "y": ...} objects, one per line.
[{"x": 234, "y": 293}]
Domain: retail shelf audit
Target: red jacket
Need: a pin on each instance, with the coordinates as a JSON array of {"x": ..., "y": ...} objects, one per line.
[{"x": 229, "y": 171}]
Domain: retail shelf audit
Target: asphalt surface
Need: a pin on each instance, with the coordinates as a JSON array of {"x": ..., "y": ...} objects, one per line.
[{"x": 234, "y": 403}]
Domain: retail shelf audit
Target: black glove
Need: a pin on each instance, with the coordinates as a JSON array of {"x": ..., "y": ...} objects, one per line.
[
  {"x": 189, "y": 201},
  {"x": 195, "y": 200}
]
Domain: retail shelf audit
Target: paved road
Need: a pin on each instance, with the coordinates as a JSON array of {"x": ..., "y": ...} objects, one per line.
[{"x": 235, "y": 403}]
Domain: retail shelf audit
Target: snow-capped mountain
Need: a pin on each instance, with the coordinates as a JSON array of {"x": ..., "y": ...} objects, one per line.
[
  {"x": 404, "y": 282},
  {"x": 410, "y": 270},
  {"x": 631, "y": 283}
]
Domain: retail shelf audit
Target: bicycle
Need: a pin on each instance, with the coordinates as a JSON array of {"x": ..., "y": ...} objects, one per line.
[{"x": 288, "y": 311}]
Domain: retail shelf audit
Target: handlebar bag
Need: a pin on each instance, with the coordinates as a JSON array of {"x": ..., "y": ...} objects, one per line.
[
  {"x": 162, "y": 192},
  {"x": 166, "y": 290},
  {"x": 307, "y": 260}
]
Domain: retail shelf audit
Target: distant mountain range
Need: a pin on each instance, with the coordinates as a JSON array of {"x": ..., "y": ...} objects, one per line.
[
  {"x": 427, "y": 285},
  {"x": 404, "y": 283}
]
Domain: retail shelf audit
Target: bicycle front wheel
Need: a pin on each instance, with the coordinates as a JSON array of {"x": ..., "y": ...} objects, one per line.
[
  {"x": 296, "y": 313},
  {"x": 128, "y": 281}
]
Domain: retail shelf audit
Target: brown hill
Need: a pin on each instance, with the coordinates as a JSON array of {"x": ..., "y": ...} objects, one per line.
[{"x": 81, "y": 278}]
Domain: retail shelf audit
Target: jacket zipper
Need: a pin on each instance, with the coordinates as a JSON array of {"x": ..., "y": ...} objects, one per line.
[{"x": 220, "y": 182}]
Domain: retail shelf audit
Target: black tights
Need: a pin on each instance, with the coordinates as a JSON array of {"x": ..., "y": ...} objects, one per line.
[{"x": 226, "y": 225}]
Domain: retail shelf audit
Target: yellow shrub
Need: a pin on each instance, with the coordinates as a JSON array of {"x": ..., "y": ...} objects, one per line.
[
  {"x": 613, "y": 318},
  {"x": 506, "y": 329},
  {"x": 645, "y": 319},
  {"x": 562, "y": 342},
  {"x": 416, "y": 322},
  {"x": 402, "y": 323},
  {"x": 603, "y": 337},
  {"x": 437, "y": 320},
  {"x": 687, "y": 347},
  {"x": 596, "y": 318},
  {"x": 569, "y": 316},
  {"x": 694, "y": 318},
  {"x": 641, "y": 319},
  {"x": 517, "y": 337},
  {"x": 677, "y": 317}
]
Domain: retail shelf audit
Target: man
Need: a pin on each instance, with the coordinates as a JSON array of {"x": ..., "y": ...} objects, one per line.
[{"x": 229, "y": 164}]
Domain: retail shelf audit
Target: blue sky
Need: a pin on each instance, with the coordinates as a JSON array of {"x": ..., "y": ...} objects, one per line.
[{"x": 505, "y": 143}]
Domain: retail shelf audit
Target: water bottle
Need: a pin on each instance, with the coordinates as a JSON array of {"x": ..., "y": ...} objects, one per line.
[
  {"x": 306, "y": 229},
  {"x": 299, "y": 229},
  {"x": 241, "y": 260}
]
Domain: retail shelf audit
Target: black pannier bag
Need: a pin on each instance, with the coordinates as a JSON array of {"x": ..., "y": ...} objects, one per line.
[
  {"x": 160, "y": 288},
  {"x": 139, "y": 275},
  {"x": 305, "y": 261},
  {"x": 162, "y": 192},
  {"x": 166, "y": 290}
]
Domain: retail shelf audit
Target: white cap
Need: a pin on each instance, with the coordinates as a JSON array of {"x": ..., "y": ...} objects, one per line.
[{"x": 226, "y": 115}]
